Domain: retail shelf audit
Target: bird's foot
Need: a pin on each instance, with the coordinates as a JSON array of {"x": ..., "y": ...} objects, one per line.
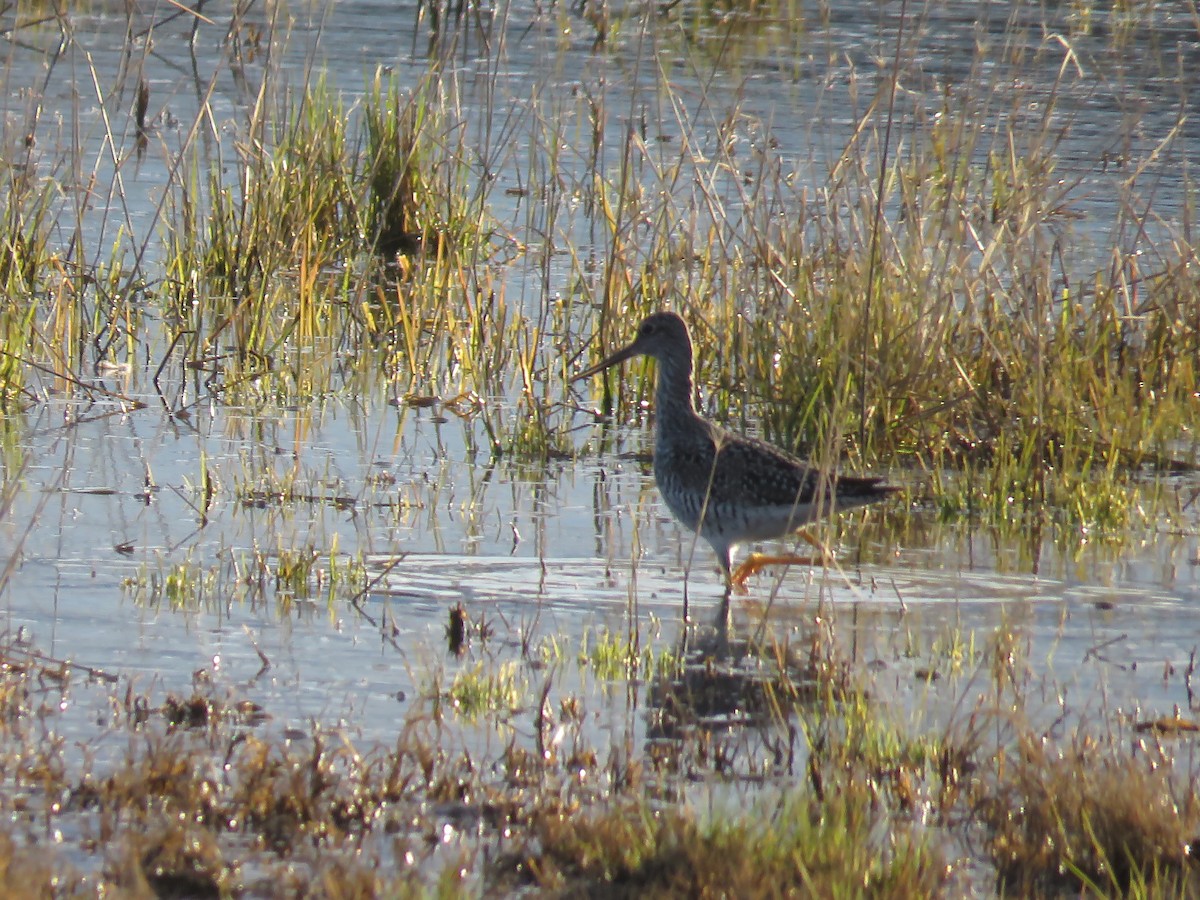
[
  {"x": 737, "y": 584},
  {"x": 815, "y": 542},
  {"x": 756, "y": 562}
]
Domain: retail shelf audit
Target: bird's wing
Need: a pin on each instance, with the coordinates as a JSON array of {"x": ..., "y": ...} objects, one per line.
[{"x": 762, "y": 474}]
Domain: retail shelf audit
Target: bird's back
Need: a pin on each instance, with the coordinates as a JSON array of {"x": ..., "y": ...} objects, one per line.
[{"x": 745, "y": 488}]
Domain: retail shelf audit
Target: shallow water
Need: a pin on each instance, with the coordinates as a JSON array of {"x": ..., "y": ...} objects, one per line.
[{"x": 538, "y": 555}]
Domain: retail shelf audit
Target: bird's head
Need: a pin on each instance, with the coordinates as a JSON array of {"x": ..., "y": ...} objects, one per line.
[{"x": 662, "y": 335}]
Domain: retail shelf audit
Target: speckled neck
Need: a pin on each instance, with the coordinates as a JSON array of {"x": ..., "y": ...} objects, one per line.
[{"x": 674, "y": 394}]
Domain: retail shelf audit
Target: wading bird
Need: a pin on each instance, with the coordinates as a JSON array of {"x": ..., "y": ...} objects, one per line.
[{"x": 728, "y": 488}]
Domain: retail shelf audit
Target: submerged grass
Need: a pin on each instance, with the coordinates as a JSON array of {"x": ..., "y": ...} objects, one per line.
[{"x": 477, "y": 691}]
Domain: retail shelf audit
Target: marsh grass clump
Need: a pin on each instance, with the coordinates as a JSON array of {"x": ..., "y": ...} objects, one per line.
[
  {"x": 615, "y": 656},
  {"x": 30, "y": 873},
  {"x": 943, "y": 300},
  {"x": 289, "y": 203},
  {"x": 171, "y": 857},
  {"x": 1094, "y": 818},
  {"x": 485, "y": 691},
  {"x": 909, "y": 770},
  {"x": 185, "y": 812},
  {"x": 295, "y": 571},
  {"x": 28, "y": 267},
  {"x": 185, "y": 586},
  {"x": 635, "y": 850},
  {"x": 944, "y": 323},
  {"x": 274, "y": 579},
  {"x": 416, "y": 194},
  {"x": 281, "y": 272}
]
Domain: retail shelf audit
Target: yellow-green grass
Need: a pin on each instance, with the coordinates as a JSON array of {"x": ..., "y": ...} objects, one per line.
[{"x": 911, "y": 303}]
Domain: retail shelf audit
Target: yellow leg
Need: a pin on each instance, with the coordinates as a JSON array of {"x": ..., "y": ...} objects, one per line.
[{"x": 756, "y": 562}]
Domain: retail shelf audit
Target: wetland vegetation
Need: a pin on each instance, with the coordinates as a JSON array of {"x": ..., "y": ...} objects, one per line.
[{"x": 282, "y": 325}]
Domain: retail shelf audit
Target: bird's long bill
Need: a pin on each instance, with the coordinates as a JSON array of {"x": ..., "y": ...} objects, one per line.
[{"x": 620, "y": 356}]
